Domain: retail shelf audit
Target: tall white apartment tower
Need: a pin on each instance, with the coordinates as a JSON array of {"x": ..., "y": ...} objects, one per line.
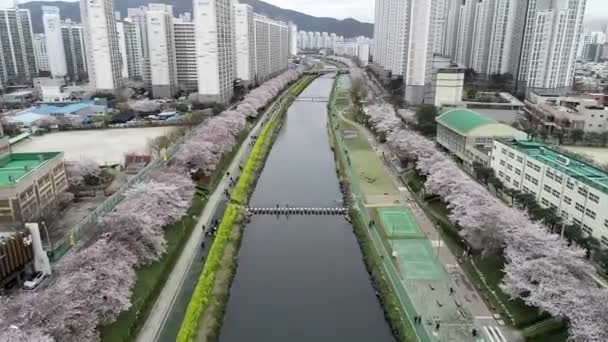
[
  {"x": 185, "y": 53},
  {"x": 101, "y": 42},
  {"x": 311, "y": 40},
  {"x": 17, "y": 59},
  {"x": 73, "y": 42},
  {"x": 293, "y": 39},
  {"x": 271, "y": 47},
  {"x": 141, "y": 68},
  {"x": 482, "y": 34},
  {"x": 464, "y": 40},
  {"x": 42, "y": 59},
  {"x": 507, "y": 34},
  {"x": 245, "y": 42},
  {"x": 552, "y": 33},
  {"x": 122, "y": 46},
  {"x": 215, "y": 49},
  {"x": 161, "y": 50},
  {"x": 440, "y": 25},
  {"x": 54, "y": 41}
]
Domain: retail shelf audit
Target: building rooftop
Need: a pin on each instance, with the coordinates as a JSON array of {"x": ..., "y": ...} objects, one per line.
[
  {"x": 576, "y": 169},
  {"x": 463, "y": 120},
  {"x": 15, "y": 167}
]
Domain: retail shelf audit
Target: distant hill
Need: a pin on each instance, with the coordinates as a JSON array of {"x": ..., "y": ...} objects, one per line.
[{"x": 347, "y": 27}]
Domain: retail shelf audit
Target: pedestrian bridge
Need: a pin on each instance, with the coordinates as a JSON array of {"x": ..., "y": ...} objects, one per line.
[
  {"x": 312, "y": 99},
  {"x": 297, "y": 211}
]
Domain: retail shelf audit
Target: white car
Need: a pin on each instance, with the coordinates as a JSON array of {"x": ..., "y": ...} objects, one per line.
[{"x": 33, "y": 284}]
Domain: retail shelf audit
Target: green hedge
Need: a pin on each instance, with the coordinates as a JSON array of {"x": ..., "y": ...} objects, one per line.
[{"x": 298, "y": 88}]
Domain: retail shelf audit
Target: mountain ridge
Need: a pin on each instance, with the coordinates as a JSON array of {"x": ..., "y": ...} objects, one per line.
[{"x": 348, "y": 27}]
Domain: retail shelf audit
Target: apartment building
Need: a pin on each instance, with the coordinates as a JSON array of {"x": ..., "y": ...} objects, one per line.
[
  {"x": 101, "y": 41},
  {"x": 141, "y": 65},
  {"x": 185, "y": 53},
  {"x": 293, "y": 39},
  {"x": 271, "y": 47},
  {"x": 17, "y": 58},
  {"x": 122, "y": 47},
  {"x": 575, "y": 190},
  {"x": 245, "y": 43},
  {"x": 40, "y": 54},
  {"x": 215, "y": 49},
  {"x": 51, "y": 20},
  {"x": 163, "y": 67},
  {"x": 75, "y": 53}
]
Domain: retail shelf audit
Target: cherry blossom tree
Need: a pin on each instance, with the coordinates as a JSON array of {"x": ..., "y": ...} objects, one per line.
[
  {"x": 144, "y": 106},
  {"x": 82, "y": 172}
]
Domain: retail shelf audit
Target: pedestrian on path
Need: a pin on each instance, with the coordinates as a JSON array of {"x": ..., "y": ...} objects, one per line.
[
  {"x": 451, "y": 291},
  {"x": 437, "y": 326}
]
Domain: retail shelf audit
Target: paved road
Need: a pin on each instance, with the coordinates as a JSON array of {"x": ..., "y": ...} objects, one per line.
[{"x": 154, "y": 324}]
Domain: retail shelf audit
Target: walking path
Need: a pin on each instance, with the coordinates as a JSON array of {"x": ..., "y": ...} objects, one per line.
[
  {"x": 465, "y": 296},
  {"x": 151, "y": 330}
]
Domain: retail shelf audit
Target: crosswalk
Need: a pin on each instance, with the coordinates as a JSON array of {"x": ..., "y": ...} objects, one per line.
[{"x": 493, "y": 334}]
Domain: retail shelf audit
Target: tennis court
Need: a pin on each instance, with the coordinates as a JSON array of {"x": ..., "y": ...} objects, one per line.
[
  {"x": 416, "y": 260},
  {"x": 398, "y": 223}
]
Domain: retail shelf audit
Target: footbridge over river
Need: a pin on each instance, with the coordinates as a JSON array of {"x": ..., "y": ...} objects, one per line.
[
  {"x": 312, "y": 99},
  {"x": 297, "y": 211}
]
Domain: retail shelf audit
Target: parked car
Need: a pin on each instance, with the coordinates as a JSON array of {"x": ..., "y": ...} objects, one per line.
[{"x": 34, "y": 282}]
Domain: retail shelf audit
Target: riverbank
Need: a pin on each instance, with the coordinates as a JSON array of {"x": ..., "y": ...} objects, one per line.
[{"x": 206, "y": 308}]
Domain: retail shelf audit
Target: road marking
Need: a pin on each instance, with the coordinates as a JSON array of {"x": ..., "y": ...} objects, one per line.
[{"x": 494, "y": 334}]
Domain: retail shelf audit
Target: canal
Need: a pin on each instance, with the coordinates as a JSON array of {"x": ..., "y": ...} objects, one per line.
[{"x": 302, "y": 278}]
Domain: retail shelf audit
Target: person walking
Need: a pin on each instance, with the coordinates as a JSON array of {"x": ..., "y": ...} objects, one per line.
[{"x": 451, "y": 291}]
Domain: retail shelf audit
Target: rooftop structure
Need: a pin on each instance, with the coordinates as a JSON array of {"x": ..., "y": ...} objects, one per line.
[{"x": 16, "y": 167}]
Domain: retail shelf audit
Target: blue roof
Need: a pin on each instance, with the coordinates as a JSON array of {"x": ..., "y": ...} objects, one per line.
[
  {"x": 44, "y": 110},
  {"x": 70, "y": 109},
  {"x": 26, "y": 118}
]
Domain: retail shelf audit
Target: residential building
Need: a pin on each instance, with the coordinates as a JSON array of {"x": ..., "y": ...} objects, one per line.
[
  {"x": 404, "y": 41},
  {"x": 554, "y": 113},
  {"x": 215, "y": 49},
  {"x": 482, "y": 35},
  {"x": 448, "y": 84},
  {"x": 185, "y": 53},
  {"x": 551, "y": 37},
  {"x": 141, "y": 66},
  {"x": 577, "y": 191},
  {"x": 469, "y": 135},
  {"x": 122, "y": 47},
  {"x": 590, "y": 39},
  {"x": 349, "y": 48},
  {"x": 507, "y": 34},
  {"x": 40, "y": 54},
  {"x": 101, "y": 42},
  {"x": 54, "y": 41},
  {"x": 17, "y": 58},
  {"x": 163, "y": 67},
  {"x": 450, "y": 34},
  {"x": 271, "y": 47},
  {"x": 363, "y": 53},
  {"x": 245, "y": 43},
  {"x": 134, "y": 51},
  {"x": 302, "y": 40},
  {"x": 73, "y": 43},
  {"x": 440, "y": 25},
  {"x": 311, "y": 41},
  {"x": 293, "y": 39},
  {"x": 464, "y": 41}
]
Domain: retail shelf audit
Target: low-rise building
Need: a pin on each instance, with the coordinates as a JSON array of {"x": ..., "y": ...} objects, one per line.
[
  {"x": 448, "y": 84},
  {"x": 553, "y": 113},
  {"x": 469, "y": 135},
  {"x": 576, "y": 190},
  {"x": 30, "y": 184}
]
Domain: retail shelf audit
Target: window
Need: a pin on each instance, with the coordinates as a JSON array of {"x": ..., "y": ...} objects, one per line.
[
  {"x": 587, "y": 229},
  {"x": 549, "y": 174},
  {"x": 590, "y": 213},
  {"x": 520, "y": 159},
  {"x": 501, "y": 174},
  {"x": 579, "y": 207},
  {"x": 518, "y": 172},
  {"x": 508, "y": 179},
  {"x": 511, "y": 155},
  {"x": 582, "y": 192},
  {"x": 604, "y": 241},
  {"x": 567, "y": 200},
  {"x": 559, "y": 179},
  {"x": 515, "y": 183},
  {"x": 504, "y": 151},
  {"x": 594, "y": 198},
  {"x": 570, "y": 185},
  {"x": 529, "y": 164},
  {"x": 547, "y": 188},
  {"x": 526, "y": 189},
  {"x": 555, "y": 193},
  {"x": 528, "y": 177},
  {"x": 534, "y": 181},
  {"x": 576, "y": 221},
  {"x": 502, "y": 163},
  {"x": 606, "y": 223},
  {"x": 536, "y": 168},
  {"x": 509, "y": 167},
  {"x": 545, "y": 202}
]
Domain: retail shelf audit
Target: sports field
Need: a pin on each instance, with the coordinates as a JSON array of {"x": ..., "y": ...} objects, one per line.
[
  {"x": 417, "y": 260},
  {"x": 398, "y": 222}
]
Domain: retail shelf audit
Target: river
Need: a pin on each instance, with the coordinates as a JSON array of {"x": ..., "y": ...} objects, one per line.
[{"x": 302, "y": 278}]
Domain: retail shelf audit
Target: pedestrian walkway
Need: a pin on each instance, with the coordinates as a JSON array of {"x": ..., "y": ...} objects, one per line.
[
  {"x": 153, "y": 326},
  {"x": 436, "y": 286}
]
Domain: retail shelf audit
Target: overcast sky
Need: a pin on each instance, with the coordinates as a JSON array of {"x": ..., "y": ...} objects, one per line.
[{"x": 364, "y": 9}]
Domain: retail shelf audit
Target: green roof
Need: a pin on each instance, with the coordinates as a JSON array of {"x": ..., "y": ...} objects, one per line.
[
  {"x": 15, "y": 167},
  {"x": 463, "y": 120},
  {"x": 578, "y": 170}
]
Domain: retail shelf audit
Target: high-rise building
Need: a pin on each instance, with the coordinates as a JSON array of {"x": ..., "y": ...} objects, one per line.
[
  {"x": 271, "y": 47},
  {"x": 42, "y": 59},
  {"x": 303, "y": 40},
  {"x": 450, "y": 34},
  {"x": 464, "y": 39},
  {"x": 215, "y": 49},
  {"x": 75, "y": 54},
  {"x": 551, "y": 36},
  {"x": 138, "y": 17},
  {"x": 17, "y": 58},
  {"x": 163, "y": 67},
  {"x": 101, "y": 42},
  {"x": 185, "y": 53},
  {"x": 245, "y": 42},
  {"x": 134, "y": 49},
  {"x": 482, "y": 34},
  {"x": 293, "y": 39},
  {"x": 591, "y": 39},
  {"x": 440, "y": 25},
  {"x": 122, "y": 46},
  {"x": 54, "y": 41},
  {"x": 404, "y": 42},
  {"x": 507, "y": 33}
]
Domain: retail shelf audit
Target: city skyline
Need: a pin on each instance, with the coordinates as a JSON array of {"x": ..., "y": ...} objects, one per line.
[{"x": 362, "y": 10}]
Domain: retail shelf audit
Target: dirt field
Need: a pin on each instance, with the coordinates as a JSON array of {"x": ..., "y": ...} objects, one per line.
[
  {"x": 103, "y": 146},
  {"x": 600, "y": 155}
]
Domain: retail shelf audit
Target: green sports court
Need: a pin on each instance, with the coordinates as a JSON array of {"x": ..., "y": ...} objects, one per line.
[
  {"x": 417, "y": 261},
  {"x": 398, "y": 223}
]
